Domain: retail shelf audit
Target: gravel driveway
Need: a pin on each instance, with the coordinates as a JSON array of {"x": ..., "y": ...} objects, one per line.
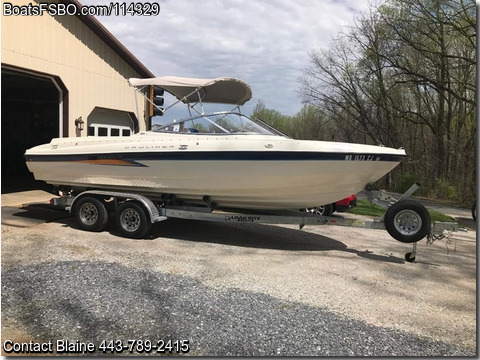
[{"x": 236, "y": 289}]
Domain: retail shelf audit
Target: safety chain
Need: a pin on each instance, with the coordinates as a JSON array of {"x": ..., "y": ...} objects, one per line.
[{"x": 431, "y": 238}]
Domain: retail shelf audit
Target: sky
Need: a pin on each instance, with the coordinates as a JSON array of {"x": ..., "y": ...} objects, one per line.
[{"x": 266, "y": 43}]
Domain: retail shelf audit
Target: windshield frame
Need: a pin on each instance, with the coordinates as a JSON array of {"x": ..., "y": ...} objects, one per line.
[{"x": 260, "y": 127}]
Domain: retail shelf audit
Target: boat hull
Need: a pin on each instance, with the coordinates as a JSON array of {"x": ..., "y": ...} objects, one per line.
[{"x": 294, "y": 175}]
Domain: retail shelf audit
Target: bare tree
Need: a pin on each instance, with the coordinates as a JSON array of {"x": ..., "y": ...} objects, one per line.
[{"x": 404, "y": 74}]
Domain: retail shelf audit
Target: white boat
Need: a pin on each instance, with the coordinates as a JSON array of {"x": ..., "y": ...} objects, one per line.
[{"x": 223, "y": 158}]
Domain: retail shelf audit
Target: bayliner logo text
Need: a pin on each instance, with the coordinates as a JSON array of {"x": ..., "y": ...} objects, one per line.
[{"x": 242, "y": 218}]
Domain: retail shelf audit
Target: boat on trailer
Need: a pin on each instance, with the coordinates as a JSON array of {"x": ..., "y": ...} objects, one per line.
[
  {"x": 222, "y": 167},
  {"x": 224, "y": 158}
]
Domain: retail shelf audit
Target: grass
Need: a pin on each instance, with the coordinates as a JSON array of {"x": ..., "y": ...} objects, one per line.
[
  {"x": 364, "y": 207},
  {"x": 436, "y": 216}
]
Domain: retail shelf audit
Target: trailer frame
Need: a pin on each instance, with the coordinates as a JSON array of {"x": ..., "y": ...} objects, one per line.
[{"x": 135, "y": 213}]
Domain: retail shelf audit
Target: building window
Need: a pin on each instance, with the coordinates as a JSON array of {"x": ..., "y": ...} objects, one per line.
[{"x": 108, "y": 130}]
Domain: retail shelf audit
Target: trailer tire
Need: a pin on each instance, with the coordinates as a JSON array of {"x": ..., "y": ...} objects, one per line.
[
  {"x": 132, "y": 220},
  {"x": 407, "y": 221},
  {"x": 91, "y": 214},
  {"x": 410, "y": 257}
]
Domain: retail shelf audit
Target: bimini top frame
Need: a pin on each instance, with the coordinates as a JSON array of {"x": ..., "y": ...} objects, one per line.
[{"x": 192, "y": 91}]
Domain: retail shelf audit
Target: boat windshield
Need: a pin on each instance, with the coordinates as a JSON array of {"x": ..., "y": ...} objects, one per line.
[{"x": 218, "y": 123}]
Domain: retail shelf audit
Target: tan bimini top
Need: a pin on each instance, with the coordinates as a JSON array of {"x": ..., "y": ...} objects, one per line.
[{"x": 221, "y": 90}]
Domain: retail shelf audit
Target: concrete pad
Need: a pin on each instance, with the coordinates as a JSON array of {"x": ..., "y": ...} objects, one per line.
[
  {"x": 29, "y": 208},
  {"x": 31, "y": 215},
  {"x": 25, "y": 197}
]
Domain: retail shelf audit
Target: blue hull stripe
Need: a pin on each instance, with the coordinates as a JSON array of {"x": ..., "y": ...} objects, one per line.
[{"x": 220, "y": 156}]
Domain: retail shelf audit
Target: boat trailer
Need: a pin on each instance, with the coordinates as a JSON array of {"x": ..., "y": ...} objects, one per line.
[{"x": 405, "y": 220}]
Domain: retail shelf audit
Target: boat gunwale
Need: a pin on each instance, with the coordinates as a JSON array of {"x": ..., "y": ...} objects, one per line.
[{"x": 215, "y": 155}]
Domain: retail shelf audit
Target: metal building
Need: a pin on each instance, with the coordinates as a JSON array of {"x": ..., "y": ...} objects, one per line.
[{"x": 62, "y": 76}]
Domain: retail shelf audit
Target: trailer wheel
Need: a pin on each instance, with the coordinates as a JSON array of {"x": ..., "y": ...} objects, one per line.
[
  {"x": 91, "y": 214},
  {"x": 407, "y": 221},
  {"x": 410, "y": 257},
  {"x": 132, "y": 220}
]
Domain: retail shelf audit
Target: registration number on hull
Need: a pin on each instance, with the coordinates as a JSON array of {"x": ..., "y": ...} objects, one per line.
[{"x": 362, "y": 157}]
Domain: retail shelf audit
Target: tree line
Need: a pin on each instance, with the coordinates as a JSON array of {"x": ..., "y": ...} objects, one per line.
[{"x": 403, "y": 75}]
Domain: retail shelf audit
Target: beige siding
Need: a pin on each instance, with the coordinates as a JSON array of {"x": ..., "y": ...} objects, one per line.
[{"x": 63, "y": 46}]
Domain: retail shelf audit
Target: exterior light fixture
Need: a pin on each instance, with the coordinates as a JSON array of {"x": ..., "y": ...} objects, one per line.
[{"x": 79, "y": 123}]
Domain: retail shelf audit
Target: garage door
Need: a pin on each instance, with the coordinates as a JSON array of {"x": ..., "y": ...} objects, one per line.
[{"x": 30, "y": 116}]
